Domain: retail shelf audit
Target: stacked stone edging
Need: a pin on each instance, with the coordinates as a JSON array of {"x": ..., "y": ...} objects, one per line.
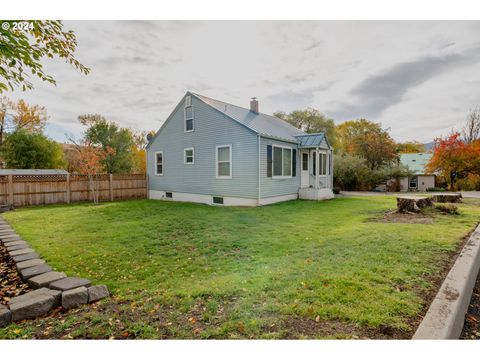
[{"x": 52, "y": 288}]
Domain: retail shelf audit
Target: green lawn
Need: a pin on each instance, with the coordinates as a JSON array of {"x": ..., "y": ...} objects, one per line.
[{"x": 296, "y": 269}]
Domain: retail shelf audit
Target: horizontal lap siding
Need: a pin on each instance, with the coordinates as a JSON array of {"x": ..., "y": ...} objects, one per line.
[
  {"x": 212, "y": 128},
  {"x": 277, "y": 187}
]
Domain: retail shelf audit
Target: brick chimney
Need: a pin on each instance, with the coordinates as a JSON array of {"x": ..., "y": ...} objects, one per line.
[{"x": 254, "y": 105}]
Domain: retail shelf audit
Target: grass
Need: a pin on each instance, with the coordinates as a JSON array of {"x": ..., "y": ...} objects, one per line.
[{"x": 296, "y": 269}]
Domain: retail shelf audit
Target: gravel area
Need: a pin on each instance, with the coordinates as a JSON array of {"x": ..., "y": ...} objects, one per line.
[{"x": 471, "y": 329}]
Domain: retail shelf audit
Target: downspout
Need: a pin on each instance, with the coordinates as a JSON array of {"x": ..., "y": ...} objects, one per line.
[
  {"x": 331, "y": 168},
  {"x": 259, "y": 188},
  {"x": 317, "y": 164}
]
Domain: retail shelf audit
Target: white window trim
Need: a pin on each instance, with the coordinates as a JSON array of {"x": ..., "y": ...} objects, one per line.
[
  {"x": 323, "y": 155},
  {"x": 327, "y": 164},
  {"x": 188, "y": 100},
  {"x": 156, "y": 163},
  {"x": 185, "y": 118},
  {"x": 273, "y": 161},
  {"x": 229, "y": 160},
  {"x": 185, "y": 156}
]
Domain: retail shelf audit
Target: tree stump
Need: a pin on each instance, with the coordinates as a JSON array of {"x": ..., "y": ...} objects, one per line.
[
  {"x": 447, "y": 198},
  {"x": 412, "y": 204}
]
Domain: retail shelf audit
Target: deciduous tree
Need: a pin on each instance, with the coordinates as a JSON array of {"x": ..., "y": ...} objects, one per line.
[
  {"x": 24, "y": 150},
  {"x": 471, "y": 130},
  {"x": 454, "y": 158},
  {"x": 90, "y": 161},
  {"x": 310, "y": 121},
  {"x": 21, "y": 52},
  {"x": 367, "y": 140},
  {"x": 107, "y": 134}
]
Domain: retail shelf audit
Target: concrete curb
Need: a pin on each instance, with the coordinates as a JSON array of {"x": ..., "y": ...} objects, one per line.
[{"x": 446, "y": 315}]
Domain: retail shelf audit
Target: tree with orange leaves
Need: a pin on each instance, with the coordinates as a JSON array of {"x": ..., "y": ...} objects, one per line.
[
  {"x": 454, "y": 159},
  {"x": 90, "y": 161}
]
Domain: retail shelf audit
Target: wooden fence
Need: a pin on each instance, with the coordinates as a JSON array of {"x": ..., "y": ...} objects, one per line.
[{"x": 23, "y": 190}]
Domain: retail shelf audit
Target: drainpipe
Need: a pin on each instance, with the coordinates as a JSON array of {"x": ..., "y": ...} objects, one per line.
[
  {"x": 317, "y": 164},
  {"x": 259, "y": 193},
  {"x": 331, "y": 169}
]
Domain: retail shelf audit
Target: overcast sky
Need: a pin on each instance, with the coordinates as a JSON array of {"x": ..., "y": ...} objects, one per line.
[{"x": 419, "y": 79}]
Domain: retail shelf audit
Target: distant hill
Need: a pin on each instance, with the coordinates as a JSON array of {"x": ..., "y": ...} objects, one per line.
[{"x": 429, "y": 146}]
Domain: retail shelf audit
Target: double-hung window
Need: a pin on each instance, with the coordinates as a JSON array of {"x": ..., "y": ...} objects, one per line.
[
  {"x": 224, "y": 162},
  {"x": 322, "y": 159},
  {"x": 159, "y": 163},
  {"x": 282, "y": 162},
  {"x": 189, "y": 156},
  {"x": 188, "y": 114}
]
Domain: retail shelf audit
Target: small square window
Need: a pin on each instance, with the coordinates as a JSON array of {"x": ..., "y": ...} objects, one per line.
[
  {"x": 189, "y": 125},
  {"x": 189, "y": 156},
  {"x": 168, "y": 195}
]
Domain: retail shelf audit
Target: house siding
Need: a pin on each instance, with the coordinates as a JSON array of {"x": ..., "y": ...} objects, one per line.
[
  {"x": 270, "y": 187},
  {"x": 211, "y": 128}
]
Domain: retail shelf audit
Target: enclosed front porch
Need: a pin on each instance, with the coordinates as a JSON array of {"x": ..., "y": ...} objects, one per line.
[{"x": 316, "y": 168}]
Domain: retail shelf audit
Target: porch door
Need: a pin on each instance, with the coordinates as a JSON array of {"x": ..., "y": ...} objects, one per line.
[{"x": 305, "y": 176}]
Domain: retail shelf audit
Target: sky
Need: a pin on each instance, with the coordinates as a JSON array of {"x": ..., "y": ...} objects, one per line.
[{"x": 419, "y": 79}]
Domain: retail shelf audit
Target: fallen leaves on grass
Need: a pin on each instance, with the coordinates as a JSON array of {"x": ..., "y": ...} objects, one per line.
[{"x": 11, "y": 284}]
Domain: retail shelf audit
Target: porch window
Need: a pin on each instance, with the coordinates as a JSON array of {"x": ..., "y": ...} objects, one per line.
[
  {"x": 322, "y": 159},
  {"x": 282, "y": 162},
  {"x": 323, "y": 164},
  {"x": 159, "y": 163}
]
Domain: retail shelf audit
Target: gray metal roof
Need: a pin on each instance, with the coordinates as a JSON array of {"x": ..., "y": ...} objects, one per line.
[
  {"x": 262, "y": 124},
  {"x": 33, "y": 172},
  {"x": 310, "y": 140}
]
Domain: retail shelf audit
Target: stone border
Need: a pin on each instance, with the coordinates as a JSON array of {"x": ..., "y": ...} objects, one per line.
[
  {"x": 52, "y": 288},
  {"x": 446, "y": 315}
]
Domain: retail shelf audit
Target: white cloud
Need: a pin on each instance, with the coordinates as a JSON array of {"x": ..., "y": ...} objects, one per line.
[{"x": 141, "y": 69}]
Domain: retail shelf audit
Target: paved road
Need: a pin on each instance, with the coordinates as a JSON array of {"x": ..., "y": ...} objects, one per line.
[{"x": 466, "y": 194}]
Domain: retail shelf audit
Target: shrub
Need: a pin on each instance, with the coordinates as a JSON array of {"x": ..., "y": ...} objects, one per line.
[
  {"x": 447, "y": 209},
  {"x": 336, "y": 190},
  {"x": 351, "y": 172},
  {"x": 435, "y": 189}
]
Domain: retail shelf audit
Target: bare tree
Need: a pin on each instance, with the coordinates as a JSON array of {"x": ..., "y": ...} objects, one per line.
[{"x": 471, "y": 130}]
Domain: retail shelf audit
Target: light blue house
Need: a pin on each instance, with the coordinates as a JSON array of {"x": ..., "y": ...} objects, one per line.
[
  {"x": 211, "y": 152},
  {"x": 421, "y": 179}
]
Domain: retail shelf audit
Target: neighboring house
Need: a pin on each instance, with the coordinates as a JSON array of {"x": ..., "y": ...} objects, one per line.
[
  {"x": 211, "y": 152},
  {"x": 421, "y": 179}
]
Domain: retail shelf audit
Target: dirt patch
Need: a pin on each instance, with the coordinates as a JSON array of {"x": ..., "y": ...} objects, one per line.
[
  {"x": 294, "y": 327},
  {"x": 471, "y": 201},
  {"x": 10, "y": 283},
  {"x": 392, "y": 216}
]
